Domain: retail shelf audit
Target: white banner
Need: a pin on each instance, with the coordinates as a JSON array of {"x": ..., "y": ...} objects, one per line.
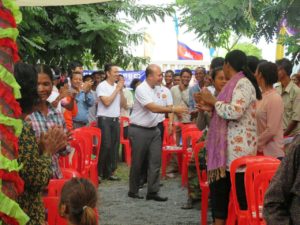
[{"x": 56, "y": 2}]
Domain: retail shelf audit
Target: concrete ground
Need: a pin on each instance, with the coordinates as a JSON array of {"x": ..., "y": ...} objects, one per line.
[{"x": 116, "y": 208}]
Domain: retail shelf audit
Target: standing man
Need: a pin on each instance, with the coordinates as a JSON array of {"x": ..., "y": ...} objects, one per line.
[
  {"x": 290, "y": 94},
  {"x": 145, "y": 136},
  {"x": 180, "y": 94},
  {"x": 199, "y": 76},
  {"x": 111, "y": 99},
  {"x": 169, "y": 78}
]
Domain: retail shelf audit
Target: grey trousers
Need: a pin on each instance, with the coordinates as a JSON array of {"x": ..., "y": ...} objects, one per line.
[
  {"x": 110, "y": 141},
  {"x": 145, "y": 143}
]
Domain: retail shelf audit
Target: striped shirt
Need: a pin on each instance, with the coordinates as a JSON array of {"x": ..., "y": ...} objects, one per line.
[{"x": 41, "y": 123}]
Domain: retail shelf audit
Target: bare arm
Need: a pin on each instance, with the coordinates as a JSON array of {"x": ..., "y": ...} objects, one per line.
[
  {"x": 107, "y": 100},
  {"x": 293, "y": 124}
]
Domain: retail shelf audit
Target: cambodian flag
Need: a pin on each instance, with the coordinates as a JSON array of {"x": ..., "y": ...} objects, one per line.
[{"x": 184, "y": 52}]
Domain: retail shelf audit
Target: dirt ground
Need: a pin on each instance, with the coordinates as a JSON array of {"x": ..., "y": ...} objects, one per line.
[{"x": 116, "y": 208}]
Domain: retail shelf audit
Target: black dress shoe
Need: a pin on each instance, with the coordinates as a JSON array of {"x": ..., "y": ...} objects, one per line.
[
  {"x": 134, "y": 195},
  {"x": 156, "y": 197},
  {"x": 114, "y": 178}
]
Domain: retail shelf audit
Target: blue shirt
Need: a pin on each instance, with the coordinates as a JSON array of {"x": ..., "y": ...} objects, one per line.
[
  {"x": 84, "y": 102},
  {"x": 193, "y": 90}
]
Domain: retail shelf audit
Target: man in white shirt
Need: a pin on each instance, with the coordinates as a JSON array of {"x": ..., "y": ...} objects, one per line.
[
  {"x": 145, "y": 136},
  {"x": 111, "y": 99}
]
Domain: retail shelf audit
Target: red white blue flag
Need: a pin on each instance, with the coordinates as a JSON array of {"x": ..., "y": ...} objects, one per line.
[{"x": 184, "y": 52}]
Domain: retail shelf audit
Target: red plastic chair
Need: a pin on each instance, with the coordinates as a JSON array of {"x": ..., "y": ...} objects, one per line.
[
  {"x": 55, "y": 186},
  {"x": 51, "y": 206},
  {"x": 169, "y": 147},
  {"x": 243, "y": 162},
  {"x": 189, "y": 135},
  {"x": 69, "y": 173},
  {"x": 202, "y": 178},
  {"x": 96, "y": 142},
  {"x": 125, "y": 141},
  {"x": 261, "y": 184},
  {"x": 251, "y": 173},
  {"x": 93, "y": 124}
]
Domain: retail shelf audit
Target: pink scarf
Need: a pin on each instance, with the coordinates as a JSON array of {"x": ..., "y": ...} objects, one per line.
[{"x": 216, "y": 144}]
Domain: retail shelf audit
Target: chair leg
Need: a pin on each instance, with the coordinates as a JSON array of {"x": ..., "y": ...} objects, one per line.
[
  {"x": 204, "y": 206},
  {"x": 164, "y": 164},
  {"x": 127, "y": 154}
]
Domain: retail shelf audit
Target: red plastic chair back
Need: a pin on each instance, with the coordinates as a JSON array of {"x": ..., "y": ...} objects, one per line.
[
  {"x": 243, "y": 162},
  {"x": 252, "y": 171},
  {"x": 55, "y": 186},
  {"x": 96, "y": 135},
  {"x": 190, "y": 137},
  {"x": 261, "y": 184},
  {"x": 122, "y": 121},
  {"x": 51, "y": 206},
  {"x": 169, "y": 139}
]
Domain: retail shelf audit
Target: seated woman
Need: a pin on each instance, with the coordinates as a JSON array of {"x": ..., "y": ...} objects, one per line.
[
  {"x": 282, "y": 199},
  {"x": 35, "y": 157},
  {"x": 77, "y": 202},
  {"x": 202, "y": 123},
  {"x": 46, "y": 116},
  {"x": 269, "y": 112}
]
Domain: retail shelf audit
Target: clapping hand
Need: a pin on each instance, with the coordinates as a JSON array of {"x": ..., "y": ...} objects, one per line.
[
  {"x": 87, "y": 85},
  {"x": 54, "y": 140},
  {"x": 207, "y": 97}
]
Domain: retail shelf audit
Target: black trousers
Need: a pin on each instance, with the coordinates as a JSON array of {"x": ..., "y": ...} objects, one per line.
[
  {"x": 145, "y": 143},
  {"x": 110, "y": 141}
]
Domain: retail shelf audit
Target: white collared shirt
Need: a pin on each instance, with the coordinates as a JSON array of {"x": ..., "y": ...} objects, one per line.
[{"x": 144, "y": 95}]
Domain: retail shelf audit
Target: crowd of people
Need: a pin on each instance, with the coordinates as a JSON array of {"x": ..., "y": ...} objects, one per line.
[{"x": 244, "y": 105}]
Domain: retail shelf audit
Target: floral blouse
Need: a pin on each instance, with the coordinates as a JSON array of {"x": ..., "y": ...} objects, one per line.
[
  {"x": 36, "y": 172},
  {"x": 241, "y": 116}
]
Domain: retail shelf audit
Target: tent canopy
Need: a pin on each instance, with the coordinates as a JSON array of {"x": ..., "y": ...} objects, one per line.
[{"x": 56, "y": 2}]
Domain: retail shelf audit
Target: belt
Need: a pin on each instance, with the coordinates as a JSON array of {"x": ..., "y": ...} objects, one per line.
[
  {"x": 80, "y": 122},
  {"x": 147, "y": 128},
  {"x": 109, "y": 118}
]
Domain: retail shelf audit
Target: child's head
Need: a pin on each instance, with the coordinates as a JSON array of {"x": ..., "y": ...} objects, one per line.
[{"x": 77, "y": 202}]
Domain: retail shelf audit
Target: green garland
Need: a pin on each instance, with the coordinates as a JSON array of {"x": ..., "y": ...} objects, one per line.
[
  {"x": 9, "y": 79},
  {"x": 9, "y": 33},
  {"x": 9, "y": 165},
  {"x": 11, "y": 208},
  {"x": 14, "y": 8},
  {"x": 11, "y": 122}
]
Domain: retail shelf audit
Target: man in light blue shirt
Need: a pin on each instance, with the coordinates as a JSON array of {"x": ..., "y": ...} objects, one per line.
[{"x": 199, "y": 75}]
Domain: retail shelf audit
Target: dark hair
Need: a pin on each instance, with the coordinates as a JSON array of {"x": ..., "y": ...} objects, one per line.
[
  {"x": 176, "y": 75},
  {"x": 185, "y": 70},
  {"x": 87, "y": 77},
  {"x": 73, "y": 65},
  {"x": 26, "y": 76},
  {"x": 42, "y": 68},
  {"x": 108, "y": 67},
  {"x": 134, "y": 82},
  {"x": 170, "y": 71},
  {"x": 215, "y": 71},
  {"x": 237, "y": 59},
  {"x": 99, "y": 72},
  {"x": 201, "y": 68},
  {"x": 217, "y": 62},
  {"x": 253, "y": 62},
  {"x": 286, "y": 65},
  {"x": 80, "y": 198},
  {"x": 269, "y": 72}
]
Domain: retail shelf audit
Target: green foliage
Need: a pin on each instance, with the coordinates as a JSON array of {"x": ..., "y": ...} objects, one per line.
[
  {"x": 249, "y": 49},
  {"x": 57, "y": 35},
  {"x": 213, "y": 20}
]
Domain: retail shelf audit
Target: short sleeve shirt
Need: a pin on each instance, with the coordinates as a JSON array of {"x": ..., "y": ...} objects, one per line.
[
  {"x": 165, "y": 99},
  {"x": 113, "y": 110},
  {"x": 144, "y": 95},
  {"x": 181, "y": 98},
  {"x": 291, "y": 100}
]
